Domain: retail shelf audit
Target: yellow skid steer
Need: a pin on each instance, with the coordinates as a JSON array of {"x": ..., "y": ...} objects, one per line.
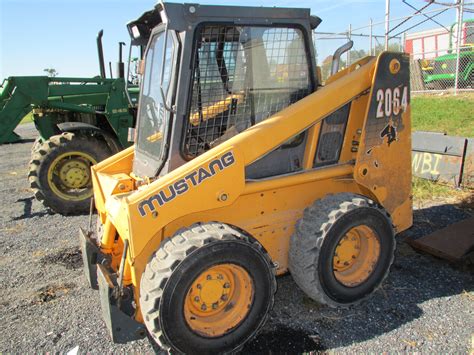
[{"x": 246, "y": 167}]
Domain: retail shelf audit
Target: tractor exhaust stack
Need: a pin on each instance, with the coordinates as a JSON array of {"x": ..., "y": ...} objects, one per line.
[{"x": 100, "y": 51}]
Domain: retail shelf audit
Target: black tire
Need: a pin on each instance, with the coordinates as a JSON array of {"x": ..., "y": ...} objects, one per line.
[
  {"x": 176, "y": 265},
  {"x": 36, "y": 145},
  {"x": 313, "y": 248},
  {"x": 47, "y": 155}
]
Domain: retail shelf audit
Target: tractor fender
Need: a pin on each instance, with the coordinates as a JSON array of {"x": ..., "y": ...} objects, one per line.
[{"x": 76, "y": 127}]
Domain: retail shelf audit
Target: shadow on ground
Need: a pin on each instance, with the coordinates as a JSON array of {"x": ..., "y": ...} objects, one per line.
[
  {"x": 27, "y": 210},
  {"x": 299, "y": 325}
]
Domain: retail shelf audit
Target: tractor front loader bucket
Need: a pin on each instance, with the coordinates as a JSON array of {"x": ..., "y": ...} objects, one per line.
[{"x": 15, "y": 103}]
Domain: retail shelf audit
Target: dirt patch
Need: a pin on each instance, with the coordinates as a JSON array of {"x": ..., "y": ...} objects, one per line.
[
  {"x": 70, "y": 258},
  {"x": 51, "y": 292},
  {"x": 284, "y": 340}
]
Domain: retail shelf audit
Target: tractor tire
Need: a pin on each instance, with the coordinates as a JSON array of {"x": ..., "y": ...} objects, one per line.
[
  {"x": 207, "y": 290},
  {"x": 36, "y": 145},
  {"x": 342, "y": 249},
  {"x": 60, "y": 172}
]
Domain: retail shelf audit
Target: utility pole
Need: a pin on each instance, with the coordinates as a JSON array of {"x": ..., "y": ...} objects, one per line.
[
  {"x": 371, "y": 25},
  {"x": 460, "y": 13},
  {"x": 457, "y": 2},
  {"x": 348, "y": 54},
  {"x": 387, "y": 22}
]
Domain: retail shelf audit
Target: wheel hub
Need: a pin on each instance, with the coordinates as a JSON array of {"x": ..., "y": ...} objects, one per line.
[
  {"x": 74, "y": 174},
  {"x": 218, "y": 300},
  {"x": 356, "y": 256},
  {"x": 69, "y": 175},
  {"x": 347, "y": 251},
  {"x": 211, "y": 292}
]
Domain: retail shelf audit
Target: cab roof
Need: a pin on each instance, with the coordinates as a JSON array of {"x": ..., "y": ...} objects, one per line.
[{"x": 180, "y": 16}]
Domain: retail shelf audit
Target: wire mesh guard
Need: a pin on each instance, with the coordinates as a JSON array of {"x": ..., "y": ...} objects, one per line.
[
  {"x": 242, "y": 75},
  {"x": 438, "y": 69}
]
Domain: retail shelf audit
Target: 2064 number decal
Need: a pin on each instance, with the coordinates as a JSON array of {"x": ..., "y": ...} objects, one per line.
[{"x": 391, "y": 101}]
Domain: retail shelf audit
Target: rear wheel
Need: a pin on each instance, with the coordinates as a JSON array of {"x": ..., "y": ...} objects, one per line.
[
  {"x": 208, "y": 289},
  {"x": 60, "y": 173},
  {"x": 342, "y": 249}
]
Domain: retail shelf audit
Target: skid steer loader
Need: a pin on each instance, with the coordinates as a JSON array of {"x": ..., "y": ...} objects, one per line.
[{"x": 245, "y": 168}]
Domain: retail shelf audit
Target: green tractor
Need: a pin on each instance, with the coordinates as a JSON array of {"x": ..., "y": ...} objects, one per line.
[
  {"x": 440, "y": 73},
  {"x": 80, "y": 121}
]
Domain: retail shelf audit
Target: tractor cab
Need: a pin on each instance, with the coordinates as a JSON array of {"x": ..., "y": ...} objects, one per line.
[{"x": 211, "y": 72}]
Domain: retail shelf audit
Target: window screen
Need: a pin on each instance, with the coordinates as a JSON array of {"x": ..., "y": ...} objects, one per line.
[
  {"x": 242, "y": 75},
  {"x": 331, "y": 137}
]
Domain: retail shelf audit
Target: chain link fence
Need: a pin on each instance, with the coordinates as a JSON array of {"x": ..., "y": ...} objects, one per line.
[{"x": 442, "y": 56}]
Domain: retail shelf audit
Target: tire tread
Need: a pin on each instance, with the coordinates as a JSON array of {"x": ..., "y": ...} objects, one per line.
[{"x": 309, "y": 236}]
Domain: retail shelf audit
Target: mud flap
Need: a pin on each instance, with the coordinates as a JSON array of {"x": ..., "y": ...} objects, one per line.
[
  {"x": 89, "y": 258},
  {"x": 122, "y": 327}
]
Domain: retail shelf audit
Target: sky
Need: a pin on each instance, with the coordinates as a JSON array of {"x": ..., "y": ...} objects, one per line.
[{"x": 61, "y": 34}]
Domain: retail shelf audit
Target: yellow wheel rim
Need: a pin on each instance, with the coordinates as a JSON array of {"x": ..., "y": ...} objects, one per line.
[
  {"x": 69, "y": 176},
  {"x": 356, "y": 256},
  {"x": 218, "y": 300}
]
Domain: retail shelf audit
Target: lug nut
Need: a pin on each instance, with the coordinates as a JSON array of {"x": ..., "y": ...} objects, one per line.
[
  {"x": 220, "y": 277},
  {"x": 209, "y": 277},
  {"x": 214, "y": 305},
  {"x": 199, "y": 286},
  {"x": 224, "y": 297},
  {"x": 226, "y": 285},
  {"x": 203, "y": 307},
  {"x": 196, "y": 299}
]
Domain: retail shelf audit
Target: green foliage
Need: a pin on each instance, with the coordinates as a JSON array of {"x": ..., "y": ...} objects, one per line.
[
  {"x": 355, "y": 55},
  {"x": 27, "y": 119},
  {"x": 52, "y": 73},
  {"x": 423, "y": 189},
  {"x": 451, "y": 114}
]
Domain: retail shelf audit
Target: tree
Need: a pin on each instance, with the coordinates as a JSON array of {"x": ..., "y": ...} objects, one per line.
[
  {"x": 51, "y": 72},
  {"x": 327, "y": 64},
  {"x": 392, "y": 47}
]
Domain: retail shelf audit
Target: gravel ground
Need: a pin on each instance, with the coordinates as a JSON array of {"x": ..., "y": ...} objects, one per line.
[{"x": 425, "y": 304}]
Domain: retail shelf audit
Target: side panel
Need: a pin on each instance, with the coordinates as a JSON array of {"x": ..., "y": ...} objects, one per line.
[
  {"x": 270, "y": 215},
  {"x": 384, "y": 157}
]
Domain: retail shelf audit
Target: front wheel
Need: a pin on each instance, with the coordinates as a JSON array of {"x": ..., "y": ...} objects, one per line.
[
  {"x": 342, "y": 249},
  {"x": 207, "y": 290},
  {"x": 60, "y": 174},
  {"x": 36, "y": 145}
]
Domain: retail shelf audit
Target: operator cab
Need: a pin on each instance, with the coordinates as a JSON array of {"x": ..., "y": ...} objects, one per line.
[{"x": 244, "y": 64}]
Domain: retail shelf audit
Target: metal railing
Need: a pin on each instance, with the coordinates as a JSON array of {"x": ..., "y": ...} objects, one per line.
[{"x": 439, "y": 61}]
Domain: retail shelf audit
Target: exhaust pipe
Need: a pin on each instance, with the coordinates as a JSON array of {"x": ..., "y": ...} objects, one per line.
[
  {"x": 336, "y": 58},
  {"x": 100, "y": 51},
  {"x": 121, "y": 64}
]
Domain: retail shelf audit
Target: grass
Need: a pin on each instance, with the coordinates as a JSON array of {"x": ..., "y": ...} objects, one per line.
[
  {"x": 455, "y": 116},
  {"x": 27, "y": 119},
  {"x": 451, "y": 114},
  {"x": 426, "y": 190}
]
